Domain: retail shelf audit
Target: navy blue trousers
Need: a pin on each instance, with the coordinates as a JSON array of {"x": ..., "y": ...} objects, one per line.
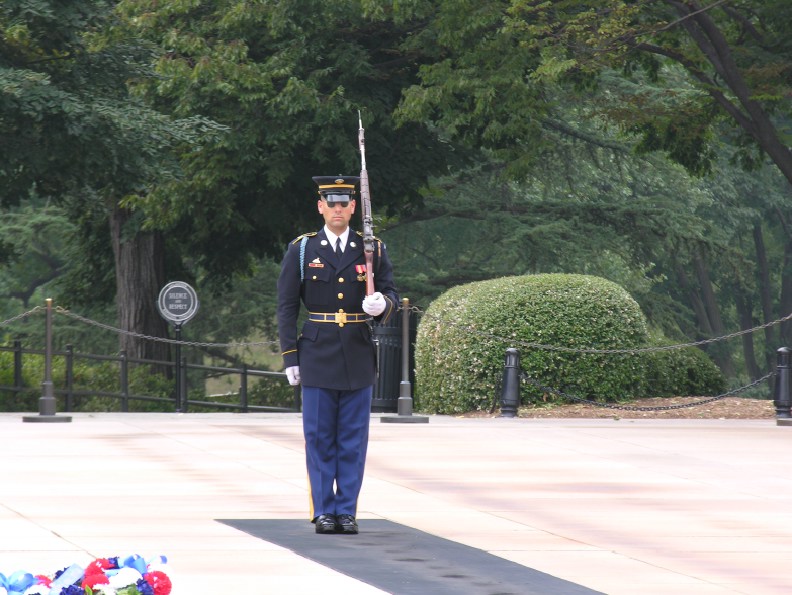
[{"x": 336, "y": 429}]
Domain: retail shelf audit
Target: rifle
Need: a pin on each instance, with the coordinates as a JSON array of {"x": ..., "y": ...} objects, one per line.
[{"x": 365, "y": 199}]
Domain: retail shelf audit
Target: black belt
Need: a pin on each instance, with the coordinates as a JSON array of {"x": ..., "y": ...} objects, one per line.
[{"x": 340, "y": 318}]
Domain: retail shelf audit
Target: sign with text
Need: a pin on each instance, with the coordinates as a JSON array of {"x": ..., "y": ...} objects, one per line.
[{"x": 177, "y": 302}]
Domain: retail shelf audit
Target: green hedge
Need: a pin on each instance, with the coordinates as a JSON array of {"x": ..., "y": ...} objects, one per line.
[
  {"x": 101, "y": 376},
  {"x": 463, "y": 336},
  {"x": 681, "y": 372}
]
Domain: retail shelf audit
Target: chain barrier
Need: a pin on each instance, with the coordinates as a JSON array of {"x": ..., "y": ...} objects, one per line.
[
  {"x": 540, "y": 346},
  {"x": 22, "y": 316},
  {"x": 417, "y": 310},
  {"x": 107, "y": 327},
  {"x": 630, "y": 351},
  {"x": 560, "y": 393}
]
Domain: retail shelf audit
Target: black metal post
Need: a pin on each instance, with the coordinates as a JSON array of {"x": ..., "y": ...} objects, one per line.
[
  {"x": 183, "y": 385},
  {"x": 404, "y": 405},
  {"x": 47, "y": 400},
  {"x": 243, "y": 389},
  {"x": 69, "y": 377},
  {"x": 510, "y": 393},
  {"x": 124, "y": 381},
  {"x": 18, "y": 380},
  {"x": 783, "y": 388},
  {"x": 177, "y": 369}
]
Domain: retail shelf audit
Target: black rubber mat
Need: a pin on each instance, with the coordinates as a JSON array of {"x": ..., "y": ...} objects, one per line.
[{"x": 401, "y": 560}]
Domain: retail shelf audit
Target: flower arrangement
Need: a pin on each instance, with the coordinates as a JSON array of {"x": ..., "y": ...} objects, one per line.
[{"x": 104, "y": 576}]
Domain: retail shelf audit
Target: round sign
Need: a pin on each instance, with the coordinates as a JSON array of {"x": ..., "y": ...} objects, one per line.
[{"x": 177, "y": 302}]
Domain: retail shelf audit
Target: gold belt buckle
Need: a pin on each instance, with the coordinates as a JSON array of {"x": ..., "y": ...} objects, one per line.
[{"x": 340, "y": 318}]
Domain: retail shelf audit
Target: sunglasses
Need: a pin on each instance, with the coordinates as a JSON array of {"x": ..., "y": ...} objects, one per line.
[{"x": 333, "y": 200}]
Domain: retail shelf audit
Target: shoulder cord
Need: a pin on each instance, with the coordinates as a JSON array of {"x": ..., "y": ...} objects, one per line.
[{"x": 302, "y": 258}]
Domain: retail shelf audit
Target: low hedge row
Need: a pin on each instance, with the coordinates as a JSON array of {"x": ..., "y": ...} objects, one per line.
[{"x": 463, "y": 336}]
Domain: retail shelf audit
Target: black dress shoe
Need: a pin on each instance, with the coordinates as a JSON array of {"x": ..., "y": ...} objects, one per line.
[
  {"x": 326, "y": 523},
  {"x": 347, "y": 524}
]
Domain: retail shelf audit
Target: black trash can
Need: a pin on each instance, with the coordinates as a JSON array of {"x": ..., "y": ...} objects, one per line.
[{"x": 386, "y": 389}]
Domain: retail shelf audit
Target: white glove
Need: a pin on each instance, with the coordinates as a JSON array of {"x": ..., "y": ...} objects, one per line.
[
  {"x": 374, "y": 304},
  {"x": 293, "y": 374}
]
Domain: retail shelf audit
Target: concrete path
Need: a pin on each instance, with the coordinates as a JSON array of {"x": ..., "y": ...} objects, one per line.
[{"x": 694, "y": 507}]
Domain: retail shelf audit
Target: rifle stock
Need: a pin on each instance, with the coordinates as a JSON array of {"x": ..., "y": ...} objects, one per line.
[{"x": 365, "y": 199}]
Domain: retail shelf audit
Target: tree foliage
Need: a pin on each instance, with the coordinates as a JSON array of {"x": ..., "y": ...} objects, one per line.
[
  {"x": 735, "y": 59},
  {"x": 288, "y": 79},
  {"x": 71, "y": 132},
  {"x": 34, "y": 238},
  {"x": 503, "y": 137},
  {"x": 705, "y": 83},
  {"x": 66, "y": 119}
]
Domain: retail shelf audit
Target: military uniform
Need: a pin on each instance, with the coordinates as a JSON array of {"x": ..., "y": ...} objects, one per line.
[
  {"x": 336, "y": 356},
  {"x": 336, "y": 352}
]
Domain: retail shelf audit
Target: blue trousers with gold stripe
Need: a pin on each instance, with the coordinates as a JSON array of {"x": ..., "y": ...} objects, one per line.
[{"x": 336, "y": 429}]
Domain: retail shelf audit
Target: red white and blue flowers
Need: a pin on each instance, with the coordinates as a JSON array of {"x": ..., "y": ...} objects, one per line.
[{"x": 132, "y": 575}]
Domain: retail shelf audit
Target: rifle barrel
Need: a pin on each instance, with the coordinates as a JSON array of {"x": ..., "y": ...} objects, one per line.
[{"x": 365, "y": 198}]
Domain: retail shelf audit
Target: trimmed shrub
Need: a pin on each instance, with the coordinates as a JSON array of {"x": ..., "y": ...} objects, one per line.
[
  {"x": 683, "y": 371},
  {"x": 463, "y": 336}
]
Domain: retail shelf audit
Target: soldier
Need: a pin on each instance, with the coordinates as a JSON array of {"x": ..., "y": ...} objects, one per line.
[{"x": 334, "y": 356}]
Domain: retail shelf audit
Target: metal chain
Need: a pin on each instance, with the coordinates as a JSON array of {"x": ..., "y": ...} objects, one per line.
[
  {"x": 523, "y": 376},
  {"x": 560, "y": 393},
  {"x": 632, "y": 351},
  {"x": 417, "y": 310},
  {"x": 21, "y": 316},
  {"x": 107, "y": 327},
  {"x": 411, "y": 308}
]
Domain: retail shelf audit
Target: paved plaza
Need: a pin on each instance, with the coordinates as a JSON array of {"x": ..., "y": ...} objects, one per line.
[{"x": 656, "y": 507}]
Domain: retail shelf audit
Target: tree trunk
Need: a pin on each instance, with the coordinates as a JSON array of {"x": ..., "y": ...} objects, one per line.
[
  {"x": 765, "y": 295},
  {"x": 704, "y": 327},
  {"x": 140, "y": 275},
  {"x": 745, "y": 314},
  {"x": 720, "y": 351},
  {"x": 786, "y": 295}
]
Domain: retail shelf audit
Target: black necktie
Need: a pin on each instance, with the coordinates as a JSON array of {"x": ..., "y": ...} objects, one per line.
[{"x": 338, "y": 250}]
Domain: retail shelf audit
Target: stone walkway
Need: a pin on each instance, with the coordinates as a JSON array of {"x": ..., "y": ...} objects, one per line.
[{"x": 698, "y": 507}]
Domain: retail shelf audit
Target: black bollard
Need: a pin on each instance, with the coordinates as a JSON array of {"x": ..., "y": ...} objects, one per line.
[
  {"x": 510, "y": 394},
  {"x": 405, "y": 403},
  {"x": 782, "y": 399},
  {"x": 47, "y": 403}
]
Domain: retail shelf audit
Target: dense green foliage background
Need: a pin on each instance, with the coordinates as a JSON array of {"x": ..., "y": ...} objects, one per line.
[{"x": 644, "y": 143}]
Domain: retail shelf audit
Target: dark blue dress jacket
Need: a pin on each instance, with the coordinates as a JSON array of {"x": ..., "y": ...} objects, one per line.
[{"x": 335, "y": 354}]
